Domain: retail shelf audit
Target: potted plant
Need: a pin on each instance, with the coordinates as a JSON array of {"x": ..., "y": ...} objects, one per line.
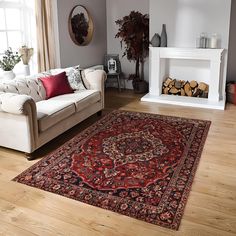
[
  {"x": 134, "y": 33},
  {"x": 8, "y": 62}
]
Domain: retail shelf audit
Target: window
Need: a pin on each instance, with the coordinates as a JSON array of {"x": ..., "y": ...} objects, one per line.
[{"x": 18, "y": 26}]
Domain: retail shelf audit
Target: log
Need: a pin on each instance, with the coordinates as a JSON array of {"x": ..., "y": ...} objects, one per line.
[
  {"x": 203, "y": 86},
  {"x": 193, "y": 84},
  {"x": 196, "y": 92},
  {"x": 187, "y": 89},
  {"x": 204, "y": 94},
  {"x": 174, "y": 90},
  {"x": 167, "y": 82},
  {"x": 183, "y": 83},
  {"x": 182, "y": 92},
  {"x": 172, "y": 83},
  {"x": 178, "y": 84},
  {"x": 166, "y": 90}
]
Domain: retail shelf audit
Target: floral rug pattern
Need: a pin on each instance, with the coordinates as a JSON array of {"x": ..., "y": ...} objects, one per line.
[{"x": 137, "y": 164}]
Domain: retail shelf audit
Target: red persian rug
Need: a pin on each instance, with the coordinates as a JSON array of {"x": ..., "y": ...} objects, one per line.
[{"x": 137, "y": 164}]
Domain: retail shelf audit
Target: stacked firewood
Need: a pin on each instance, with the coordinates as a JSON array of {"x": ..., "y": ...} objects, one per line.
[{"x": 185, "y": 88}]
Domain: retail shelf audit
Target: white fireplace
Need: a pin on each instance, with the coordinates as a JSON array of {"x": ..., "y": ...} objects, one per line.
[{"x": 213, "y": 72}]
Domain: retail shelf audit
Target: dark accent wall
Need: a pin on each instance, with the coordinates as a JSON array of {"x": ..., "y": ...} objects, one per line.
[{"x": 231, "y": 75}]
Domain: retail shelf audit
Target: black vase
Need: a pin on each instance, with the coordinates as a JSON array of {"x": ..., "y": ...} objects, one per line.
[
  {"x": 156, "y": 40},
  {"x": 163, "y": 36}
]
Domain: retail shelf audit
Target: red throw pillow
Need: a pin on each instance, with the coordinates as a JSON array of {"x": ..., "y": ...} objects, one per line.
[{"x": 56, "y": 85}]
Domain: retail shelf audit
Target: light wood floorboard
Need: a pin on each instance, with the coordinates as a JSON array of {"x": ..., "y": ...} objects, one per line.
[{"x": 211, "y": 207}]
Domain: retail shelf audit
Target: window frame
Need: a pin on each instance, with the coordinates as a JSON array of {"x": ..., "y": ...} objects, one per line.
[{"x": 27, "y": 28}]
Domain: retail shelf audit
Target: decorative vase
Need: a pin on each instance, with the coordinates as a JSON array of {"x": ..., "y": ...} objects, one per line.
[
  {"x": 26, "y": 70},
  {"x": 8, "y": 75},
  {"x": 163, "y": 36},
  {"x": 156, "y": 40}
]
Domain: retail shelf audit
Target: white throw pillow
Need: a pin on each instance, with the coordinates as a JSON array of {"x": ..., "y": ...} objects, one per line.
[
  {"x": 73, "y": 75},
  {"x": 74, "y": 78}
]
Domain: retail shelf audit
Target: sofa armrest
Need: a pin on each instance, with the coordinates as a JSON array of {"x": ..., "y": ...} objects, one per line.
[
  {"x": 18, "y": 119},
  {"x": 95, "y": 79},
  {"x": 16, "y": 104}
]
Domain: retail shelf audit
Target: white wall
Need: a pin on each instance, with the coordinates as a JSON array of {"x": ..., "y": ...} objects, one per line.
[
  {"x": 71, "y": 54},
  {"x": 117, "y": 9},
  {"x": 186, "y": 19}
]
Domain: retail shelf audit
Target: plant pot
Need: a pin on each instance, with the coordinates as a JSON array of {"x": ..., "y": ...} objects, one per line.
[
  {"x": 8, "y": 75},
  {"x": 140, "y": 86},
  {"x": 26, "y": 70}
]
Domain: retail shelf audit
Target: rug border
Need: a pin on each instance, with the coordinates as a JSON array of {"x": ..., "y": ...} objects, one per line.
[{"x": 186, "y": 193}]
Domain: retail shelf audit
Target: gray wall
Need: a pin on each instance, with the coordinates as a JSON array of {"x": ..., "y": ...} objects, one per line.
[
  {"x": 116, "y": 9},
  {"x": 232, "y": 45},
  {"x": 71, "y": 54}
]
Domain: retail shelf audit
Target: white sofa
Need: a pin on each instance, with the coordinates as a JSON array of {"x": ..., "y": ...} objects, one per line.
[{"x": 28, "y": 121}]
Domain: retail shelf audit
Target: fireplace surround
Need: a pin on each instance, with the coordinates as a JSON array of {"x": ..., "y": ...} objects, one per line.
[{"x": 216, "y": 76}]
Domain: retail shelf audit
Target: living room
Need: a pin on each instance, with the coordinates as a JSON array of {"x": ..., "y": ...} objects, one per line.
[{"x": 83, "y": 151}]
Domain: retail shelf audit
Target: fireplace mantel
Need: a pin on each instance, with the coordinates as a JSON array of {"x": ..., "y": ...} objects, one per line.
[{"x": 216, "y": 80}]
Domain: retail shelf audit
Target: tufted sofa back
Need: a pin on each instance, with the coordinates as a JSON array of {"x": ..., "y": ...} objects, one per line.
[{"x": 30, "y": 86}]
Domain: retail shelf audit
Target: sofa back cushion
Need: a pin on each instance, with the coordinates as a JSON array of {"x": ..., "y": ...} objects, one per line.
[
  {"x": 30, "y": 86},
  {"x": 74, "y": 76},
  {"x": 56, "y": 85}
]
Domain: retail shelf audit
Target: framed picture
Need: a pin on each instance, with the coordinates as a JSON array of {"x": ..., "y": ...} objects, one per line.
[{"x": 80, "y": 25}]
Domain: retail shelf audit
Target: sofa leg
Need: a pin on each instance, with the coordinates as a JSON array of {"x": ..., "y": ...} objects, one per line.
[
  {"x": 99, "y": 113},
  {"x": 29, "y": 156}
]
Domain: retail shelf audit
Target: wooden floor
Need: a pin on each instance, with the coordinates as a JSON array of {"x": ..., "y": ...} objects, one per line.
[{"x": 211, "y": 207}]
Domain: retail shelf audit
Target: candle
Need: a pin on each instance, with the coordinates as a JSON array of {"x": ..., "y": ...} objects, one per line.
[{"x": 213, "y": 41}]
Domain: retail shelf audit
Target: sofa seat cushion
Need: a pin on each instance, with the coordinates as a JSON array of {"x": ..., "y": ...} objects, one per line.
[
  {"x": 50, "y": 112},
  {"x": 81, "y": 99}
]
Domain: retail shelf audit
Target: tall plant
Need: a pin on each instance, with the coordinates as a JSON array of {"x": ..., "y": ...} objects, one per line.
[{"x": 134, "y": 33}]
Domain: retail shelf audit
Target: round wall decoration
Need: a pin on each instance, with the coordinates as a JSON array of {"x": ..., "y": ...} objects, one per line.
[{"x": 80, "y": 26}]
